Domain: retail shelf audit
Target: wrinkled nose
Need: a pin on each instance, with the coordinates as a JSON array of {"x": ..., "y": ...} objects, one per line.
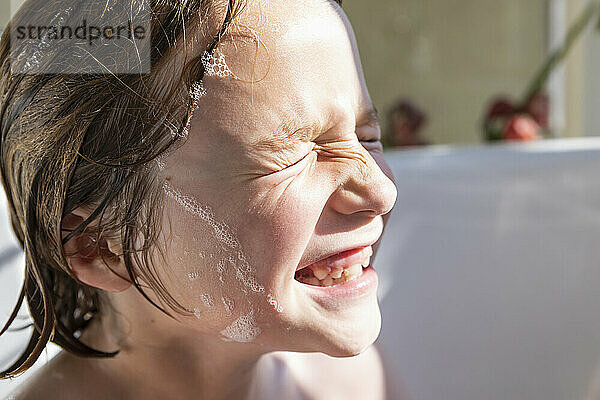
[{"x": 366, "y": 187}]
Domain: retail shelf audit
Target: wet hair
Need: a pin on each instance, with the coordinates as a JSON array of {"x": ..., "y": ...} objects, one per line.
[
  {"x": 92, "y": 140},
  {"x": 71, "y": 140}
]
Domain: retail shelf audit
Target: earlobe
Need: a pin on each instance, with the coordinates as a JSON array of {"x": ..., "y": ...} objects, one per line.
[
  {"x": 94, "y": 264},
  {"x": 95, "y": 273}
]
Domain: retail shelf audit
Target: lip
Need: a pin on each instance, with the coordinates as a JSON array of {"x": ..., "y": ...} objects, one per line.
[
  {"x": 354, "y": 288},
  {"x": 344, "y": 257}
]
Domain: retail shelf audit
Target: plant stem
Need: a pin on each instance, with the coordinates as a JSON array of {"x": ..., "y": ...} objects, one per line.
[{"x": 558, "y": 55}]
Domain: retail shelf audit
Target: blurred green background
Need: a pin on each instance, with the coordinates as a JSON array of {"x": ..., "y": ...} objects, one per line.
[
  {"x": 448, "y": 56},
  {"x": 451, "y": 57}
]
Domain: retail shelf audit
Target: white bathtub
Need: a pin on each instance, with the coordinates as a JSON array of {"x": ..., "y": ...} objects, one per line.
[{"x": 489, "y": 273}]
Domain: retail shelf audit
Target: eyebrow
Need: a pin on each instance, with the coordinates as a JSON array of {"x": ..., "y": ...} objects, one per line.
[{"x": 296, "y": 130}]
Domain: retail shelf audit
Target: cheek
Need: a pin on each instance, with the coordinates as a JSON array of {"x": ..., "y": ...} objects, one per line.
[
  {"x": 212, "y": 271},
  {"x": 231, "y": 265},
  {"x": 283, "y": 213},
  {"x": 202, "y": 274},
  {"x": 279, "y": 223}
]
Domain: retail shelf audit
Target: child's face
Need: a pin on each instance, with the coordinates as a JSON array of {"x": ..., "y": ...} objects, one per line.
[{"x": 249, "y": 201}]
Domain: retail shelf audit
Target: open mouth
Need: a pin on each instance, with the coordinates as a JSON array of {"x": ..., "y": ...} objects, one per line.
[
  {"x": 329, "y": 276},
  {"x": 335, "y": 270}
]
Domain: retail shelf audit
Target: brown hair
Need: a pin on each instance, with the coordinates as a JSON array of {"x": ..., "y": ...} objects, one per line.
[
  {"x": 90, "y": 140},
  {"x": 70, "y": 140}
]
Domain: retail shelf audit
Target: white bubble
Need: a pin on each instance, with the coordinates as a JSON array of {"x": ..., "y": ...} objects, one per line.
[
  {"x": 274, "y": 303},
  {"x": 221, "y": 266},
  {"x": 204, "y": 212},
  {"x": 225, "y": 235},
  {"x": 198, "y": 313},
  {"x": 197, "y": 90},
  {"x": 243, "y": 329},
  {"x": 244, "y": 272},
  {"x": 206, "y": 299},
  {"x": 214, "y": 64},
  {"x": 228, "y": 303},
  {"x": 193, "y": 275}
]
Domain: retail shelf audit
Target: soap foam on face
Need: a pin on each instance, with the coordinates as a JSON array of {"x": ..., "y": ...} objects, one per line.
[
  {"x": 215, "y": 65},
  {"x": 243, "y": 329},
  {"x": 244, "y": 271},
  {"x": 193, "y": 275},
  {"x": 235, "y": 259},
  {"x": 273, "y": 302},
  {"x": 228, "y": 303},
  {"x": 206, "y": 299}
]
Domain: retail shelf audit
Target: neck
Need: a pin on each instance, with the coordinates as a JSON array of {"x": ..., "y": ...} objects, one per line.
[{"x": 161, "y": 359}]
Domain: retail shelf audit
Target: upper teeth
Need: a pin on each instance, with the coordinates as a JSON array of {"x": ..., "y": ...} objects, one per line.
[
  {"x": 353, "y": 270},
  {"x": 320, "y": 271},
  {"x": 327, "y": 275},
  {"x": 336, "y": 272}
]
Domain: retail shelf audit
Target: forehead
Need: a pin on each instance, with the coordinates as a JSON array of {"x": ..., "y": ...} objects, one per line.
[{"x": 294, "y": 64}]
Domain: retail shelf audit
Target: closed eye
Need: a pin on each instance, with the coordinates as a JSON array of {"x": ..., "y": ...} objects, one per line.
[
  {"x": 301, "y": 159},
  {"x": 369, "y": 144}
]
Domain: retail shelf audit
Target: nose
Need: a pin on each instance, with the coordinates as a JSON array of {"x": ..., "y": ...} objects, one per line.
[{"x": 367, "y": 186}]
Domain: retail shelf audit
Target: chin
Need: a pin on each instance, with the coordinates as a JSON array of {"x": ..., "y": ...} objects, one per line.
[
  {"x": 353, "y": 336},
  {"x": 340, "y": 328}
]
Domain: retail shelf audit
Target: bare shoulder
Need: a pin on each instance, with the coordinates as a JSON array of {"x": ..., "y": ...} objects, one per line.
[
  {"x": 42, "y": 384},
  {"x": 57, "y": 380},
  {"x": 320, "y": 376}
]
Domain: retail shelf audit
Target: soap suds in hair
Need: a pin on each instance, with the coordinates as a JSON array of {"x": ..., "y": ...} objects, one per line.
[
  {"x": 214, "y": 64},
  {"x": 196, "y": 91},
  {"x": 38, "y": 51}
]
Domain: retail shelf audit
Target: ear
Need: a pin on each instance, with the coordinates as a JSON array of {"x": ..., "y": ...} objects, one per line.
[{"x": 95, "y": 264}]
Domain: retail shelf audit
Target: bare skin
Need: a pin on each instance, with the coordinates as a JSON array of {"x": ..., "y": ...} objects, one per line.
[
  {"x": 275, "y": 200},
  {"x": 278, "y": 375}
]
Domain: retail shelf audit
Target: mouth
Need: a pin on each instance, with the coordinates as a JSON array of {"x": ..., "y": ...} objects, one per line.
[{"x": 336, "y": 270}]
